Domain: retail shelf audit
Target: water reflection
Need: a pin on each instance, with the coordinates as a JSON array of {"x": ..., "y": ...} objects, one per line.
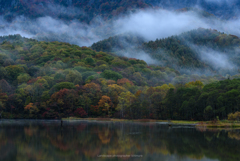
[{"x": 76, "y": 141}]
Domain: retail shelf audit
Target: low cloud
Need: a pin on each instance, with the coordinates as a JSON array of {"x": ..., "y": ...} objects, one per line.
[
  {"x": 153, "y": 24},
  {"x": 138, "y": 54},
  {"x": 149, "y": 24},
  {"x": 216, "y": 59},
  {"x": 50, "y": 29}
]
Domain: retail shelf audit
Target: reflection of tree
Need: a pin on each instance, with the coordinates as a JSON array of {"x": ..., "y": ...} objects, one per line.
[
  {"x": 85, "y": 141},
  {"x": 234, "y": 135},
  {"x": 105, "y": 136}
]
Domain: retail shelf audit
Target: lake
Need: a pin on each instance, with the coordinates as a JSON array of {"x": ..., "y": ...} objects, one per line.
[{"x": 45, "y": 140}]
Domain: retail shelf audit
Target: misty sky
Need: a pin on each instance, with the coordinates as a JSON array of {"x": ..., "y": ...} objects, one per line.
[{"x": 149, "y": 24}]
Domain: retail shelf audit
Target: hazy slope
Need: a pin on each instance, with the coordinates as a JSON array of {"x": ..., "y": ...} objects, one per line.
[{"x": 194, "y": 51}]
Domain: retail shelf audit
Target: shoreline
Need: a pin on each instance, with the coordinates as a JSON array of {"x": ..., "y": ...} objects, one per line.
[
  {"x": 197, "y": 124},
  {"x": 221, "y": 124},
  {"x": 172, "y": 122}
]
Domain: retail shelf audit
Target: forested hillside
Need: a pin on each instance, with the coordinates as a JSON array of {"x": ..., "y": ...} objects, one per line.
[
  {"x": 54, "y": 80},
  {"x": 118, "y": 42},
  {"x": 188, "y": 52}
]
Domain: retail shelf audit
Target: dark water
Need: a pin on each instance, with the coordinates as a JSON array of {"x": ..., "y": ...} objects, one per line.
[{"x": 77, "y": 141}]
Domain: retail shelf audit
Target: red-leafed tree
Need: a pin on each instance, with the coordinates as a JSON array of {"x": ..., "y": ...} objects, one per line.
[
  {"x": 64, "y": 102},
  {"x": 80, "y": 112},
  {"x": 105, "y": 105},
  {"x": 124, "y": 81}
]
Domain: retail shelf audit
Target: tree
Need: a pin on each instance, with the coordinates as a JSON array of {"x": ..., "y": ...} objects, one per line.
[
  {"x": 108, "y": 74},
  {"x": 113, "y": 91},
  {"x": 91, "y": 87},
  {"x": 62, "y": 85},
  {"x": 32, "y": 109},
  {"x": 208, "y": 112},
  {"x": 13, "y": 71},
  {"x": 140, "y": 81},
  {"x": 23, "y": 78},
  {"x": 74, "y": 76},
  {"x": 3, "y": 73},
  {"x": 164, "y": 89},
  {"x": 80, "y": 112},
  {"x": 5, "y": 86},
  {"x": 64, "y": 102},
  {"x": 126, "y": 99},
  {"x": 124, "y": 81},
  {"x": 105, "y": 104},
  {"x": 192, "y": 84},
  {"x": 3, "y": 100}
]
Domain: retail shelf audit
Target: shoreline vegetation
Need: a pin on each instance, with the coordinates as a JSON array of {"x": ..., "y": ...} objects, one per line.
[
  {"x": 197, "y": 124},
  {"x": 53, "y": 80}
]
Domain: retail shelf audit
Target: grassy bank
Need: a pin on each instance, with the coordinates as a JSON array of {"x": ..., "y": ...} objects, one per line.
[
  {"x": 219, "y": 124},
  {"x": 199, "y": 124},
  {"x": 180, "y": 122}
]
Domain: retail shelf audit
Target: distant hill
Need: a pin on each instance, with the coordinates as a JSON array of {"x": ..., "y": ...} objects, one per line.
[
  {"x": 186, "y": 51},
  {"x": 41, "y": 79},
  {"x": 226, "y": 9},
  {"x": 118, "y": 42}
]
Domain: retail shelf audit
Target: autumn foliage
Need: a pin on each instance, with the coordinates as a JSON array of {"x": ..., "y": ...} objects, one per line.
[
  {"x": 56, "y": 80},
  {"x": 80, "y": 112},
  {"x": 124, "y": 81}
]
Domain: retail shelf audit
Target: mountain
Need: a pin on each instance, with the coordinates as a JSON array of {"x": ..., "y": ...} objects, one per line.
[
  {"x": 189, "y": 51},
  {"x": 118, "y": 42},
  {"x": 203, "y": 49},
  {"x": 226, "y": 9},
  {"x": 54, "y": 80}
]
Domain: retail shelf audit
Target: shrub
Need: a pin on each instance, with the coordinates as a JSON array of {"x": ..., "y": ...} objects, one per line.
[{"x": 234, "y": 116}]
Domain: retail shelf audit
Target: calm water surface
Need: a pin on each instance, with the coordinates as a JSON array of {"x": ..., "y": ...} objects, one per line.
[{"x": 29, "y": 140}]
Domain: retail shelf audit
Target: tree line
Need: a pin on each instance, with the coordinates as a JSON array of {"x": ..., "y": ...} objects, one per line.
[{"x": 54, "y": 80}]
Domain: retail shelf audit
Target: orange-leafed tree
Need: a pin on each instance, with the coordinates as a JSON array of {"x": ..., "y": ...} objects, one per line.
[
  {"x": 109, "y": 82},
  {"x": 31, "y": 108},
  {"x": 124, "y": 81},
  {"x": 105, "y": 105},
  {"x": 91, "y": 87}
]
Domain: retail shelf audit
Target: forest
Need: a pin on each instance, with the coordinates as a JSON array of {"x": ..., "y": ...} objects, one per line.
[
  {"x": 181, "y": 52},
  {"x": 49, "y": 80}
]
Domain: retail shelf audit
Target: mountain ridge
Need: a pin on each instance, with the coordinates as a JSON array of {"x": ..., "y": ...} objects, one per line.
[{"x": 182, "y": 51}]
